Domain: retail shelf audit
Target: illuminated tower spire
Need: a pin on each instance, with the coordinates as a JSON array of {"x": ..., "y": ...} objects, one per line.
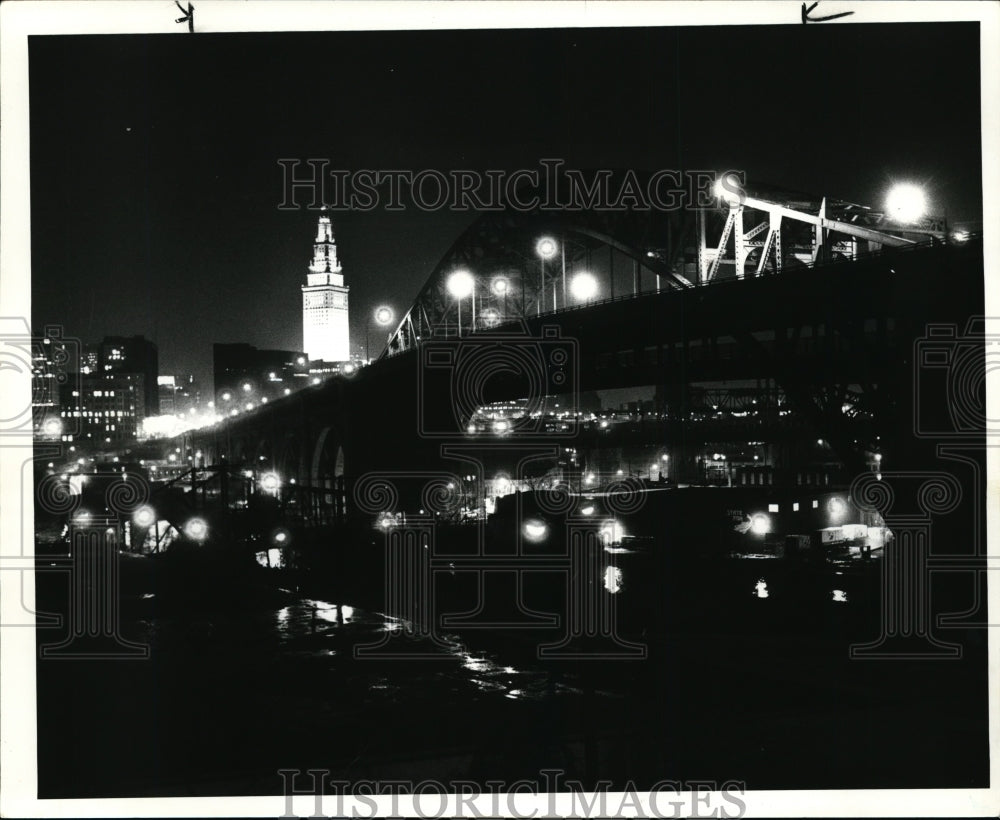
[{"x": 325, "y": 334}]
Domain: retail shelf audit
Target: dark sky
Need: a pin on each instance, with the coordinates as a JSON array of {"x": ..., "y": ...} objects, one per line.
[{"x": 155, "y": 181}]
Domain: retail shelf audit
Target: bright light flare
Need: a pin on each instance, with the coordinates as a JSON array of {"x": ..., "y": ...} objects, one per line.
[
  {"x": 583, "y": 286},
  {"x": 270, "y": 482},
  {"x": 535, "y": 530},
  {"x": 145, "y": 516},
  {"x": 501, "y": 286},
  {"x": 546, "y": 247},
  {"x": 461, "y": 284},
  {"x": 760, "y": 524},
  {"x": 906, "y": 203},
  {"x": 196, "y": 529},
  {"x": 384, "y": 315}
]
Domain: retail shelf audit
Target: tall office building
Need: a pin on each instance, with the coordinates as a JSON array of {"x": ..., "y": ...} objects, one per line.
[
  {"x": 134, "y": 355},
  {"x": 325, "y": 330}
]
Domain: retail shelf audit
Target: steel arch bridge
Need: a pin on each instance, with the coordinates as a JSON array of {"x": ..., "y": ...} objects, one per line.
[{"x": 524, "y": 262}]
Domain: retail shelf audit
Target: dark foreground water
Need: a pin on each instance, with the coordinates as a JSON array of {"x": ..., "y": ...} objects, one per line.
[{"x": 245, "y": 678}]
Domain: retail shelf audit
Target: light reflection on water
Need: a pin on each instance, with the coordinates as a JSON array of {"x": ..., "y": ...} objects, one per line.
[{"x": 302, "y": 627}]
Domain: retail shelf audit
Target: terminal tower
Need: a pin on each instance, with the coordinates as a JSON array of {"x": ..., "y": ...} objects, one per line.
[{"x": 325, "y": 331}]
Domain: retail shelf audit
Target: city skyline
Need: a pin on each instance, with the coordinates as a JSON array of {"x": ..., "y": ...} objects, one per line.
[{"x": 165, "y": 181}]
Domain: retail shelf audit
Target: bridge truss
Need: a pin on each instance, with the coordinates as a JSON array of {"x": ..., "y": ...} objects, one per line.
[{"x": 523, "y": 263}]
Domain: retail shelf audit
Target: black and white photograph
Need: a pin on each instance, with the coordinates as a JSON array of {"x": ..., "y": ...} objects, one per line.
[{"x": 499, "y": 409}]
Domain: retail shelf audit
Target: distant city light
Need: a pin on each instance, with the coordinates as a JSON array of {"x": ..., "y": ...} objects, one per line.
[
  {"x": 247, "y": 387},
  {"x": 227, "y": 396},
  {"x": 196, "y": 529},
  {"x": 906, "y": 203},
  {"x": 145, "y": 516},
  {"x": 613, "y": 580},
  {"x": 288, "y": 391},
  {"x": 760, "y": 524},
  {"x": 546, "y": 247},
  {"x": 461, "y": 284},
  {"x": 583, "y": 286},
  {"x": 535, "y": 530},
  {"x": 611, "y": 532},
  {"x": 501, "y": 286},
  {"x": 300, "y": 360}
]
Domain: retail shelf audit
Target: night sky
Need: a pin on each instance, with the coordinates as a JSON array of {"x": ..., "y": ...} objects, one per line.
[{"x": 155, "y": 181}]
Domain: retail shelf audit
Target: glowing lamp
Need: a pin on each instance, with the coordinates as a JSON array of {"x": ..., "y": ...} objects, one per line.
[
  {"x": 461, "y": 284},
  {"x": 906, "y": 203},
  {"x": 583, "y": 286}
]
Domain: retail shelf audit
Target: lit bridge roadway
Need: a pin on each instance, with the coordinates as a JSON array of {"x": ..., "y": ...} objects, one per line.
[{"x": 818, "y": 334}]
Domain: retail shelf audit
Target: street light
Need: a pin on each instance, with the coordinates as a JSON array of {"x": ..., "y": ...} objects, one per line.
[
  {"x": 546, "y": 248},
  {"x": 460, "y": 285},
  {"x": 383, "y": 315},
  {"x": 906, "y": 203},
  {"x": 583, "y": 286},
  {"x": 145, "y": 516},
  {"x": 760, "y": 524},
  {"x": 196, "y": 529}
]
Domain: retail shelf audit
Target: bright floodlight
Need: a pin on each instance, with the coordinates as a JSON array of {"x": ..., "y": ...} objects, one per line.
[
  {"x": 836, "y": 507},
  {"x": 500, "y": 286},
  {"x": 760, "y": 524},
  {"x": 53, "y": 427},
  {"x": 583, "y": 286},
  {"x": 384, "y": 315},
  {"x": 727, "y": 188},
  {"x": 196, "y": 529},
  {"x": 227, "y": 396},
  {"x": 144, "y": 516},
  {"x": 460, "y": 284},
  {"x": 546, "y": 247},
  {"x": 270, "y": 482},
  {"x": 490, "y": 317},
  {"x": 906, "y": 203},
  {"x": 535, "y": 530},
  {"x": 247, "y": 387}
]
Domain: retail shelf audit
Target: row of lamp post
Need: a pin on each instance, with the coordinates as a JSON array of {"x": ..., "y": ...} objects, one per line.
[{"x": 461, "y": 284}]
